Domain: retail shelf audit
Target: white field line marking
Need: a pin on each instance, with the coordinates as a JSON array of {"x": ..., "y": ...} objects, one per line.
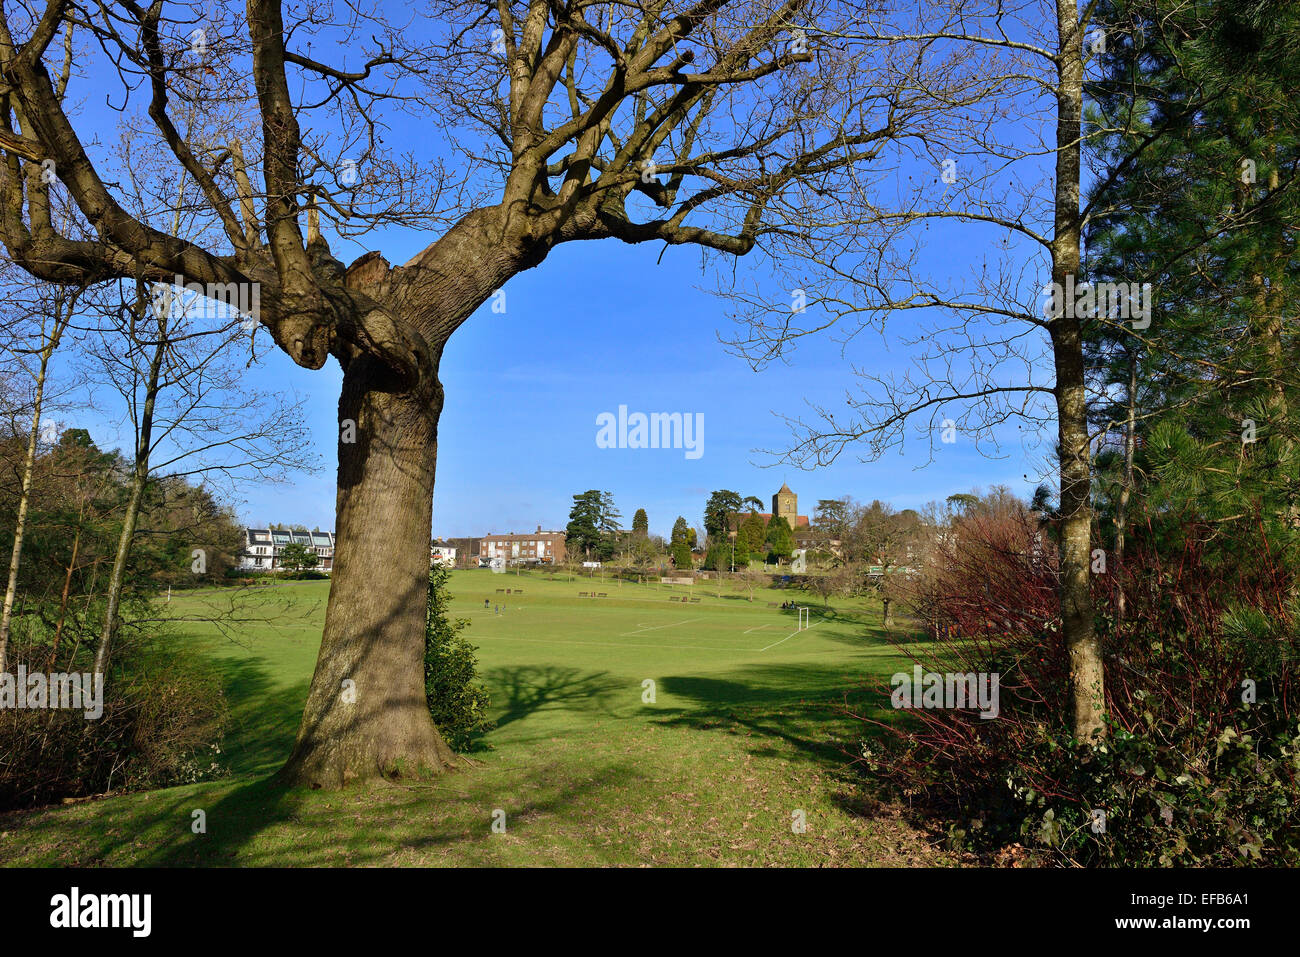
[
  {"x": 759, "y": 627},
  {"x": 671, "y": 624},
  {"x": 791, "y": 635}
]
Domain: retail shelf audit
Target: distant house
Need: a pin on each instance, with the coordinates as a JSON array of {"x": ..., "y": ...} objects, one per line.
[
  {"x": 262, "y": 548},
  {"x": 467, "y": 550},
  {"x": 444, "y": 555},
  {"x": 533, "y": 548}
]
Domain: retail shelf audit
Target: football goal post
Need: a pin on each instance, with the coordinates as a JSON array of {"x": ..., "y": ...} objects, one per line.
[{"x": 803, "y": 617}]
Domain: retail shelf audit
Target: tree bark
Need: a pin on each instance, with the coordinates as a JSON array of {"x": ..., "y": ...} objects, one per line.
[
  {"x": 1126, "y": 489},
  {"x": 1087, "y": 679},
  {"x": 366, "y": 712},
  {"x": 118, "y": 576},
  {"x": 139, "y": 479},
  {"x": 67, "y": 587}
]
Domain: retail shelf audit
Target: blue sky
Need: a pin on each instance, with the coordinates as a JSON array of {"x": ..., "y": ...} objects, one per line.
[{"x": 596, "y": 326}]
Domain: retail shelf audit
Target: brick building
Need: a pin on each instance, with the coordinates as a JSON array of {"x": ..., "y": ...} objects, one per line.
[{"x": 533, "y": 548}]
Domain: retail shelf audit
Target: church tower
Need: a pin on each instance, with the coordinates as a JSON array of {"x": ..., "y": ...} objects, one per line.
[{"x": 786, "y": 504}]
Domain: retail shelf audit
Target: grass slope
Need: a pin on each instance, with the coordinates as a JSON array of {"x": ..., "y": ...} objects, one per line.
[{"x": 744, "y": 731}]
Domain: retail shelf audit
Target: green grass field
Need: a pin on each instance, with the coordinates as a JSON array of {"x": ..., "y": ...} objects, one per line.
[{"x": 747, "y": 727}]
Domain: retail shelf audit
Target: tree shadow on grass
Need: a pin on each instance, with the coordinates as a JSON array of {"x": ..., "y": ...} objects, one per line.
[
  {"x": 530, "y": 688},
  {"x": 781, "y": 708},
  {"x": 256, "y": 820},
  {"x": 262, "y": 823},
  {"x": 264, "y": 717}
]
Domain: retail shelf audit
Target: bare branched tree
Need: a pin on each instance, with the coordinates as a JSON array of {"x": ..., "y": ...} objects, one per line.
[
  {"x": 1008, "y": 342},
  {"x": 708, "y": 122},
  {"x": 45, "y": 317},
  {"x": 996, "y": 355}
]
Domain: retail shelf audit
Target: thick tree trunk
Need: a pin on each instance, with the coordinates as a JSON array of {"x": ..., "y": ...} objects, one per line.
[
  {"x": 366, "y": 713},
  {"x": 1075, "y": 548},
  {"x": 1087, "y": 684}
]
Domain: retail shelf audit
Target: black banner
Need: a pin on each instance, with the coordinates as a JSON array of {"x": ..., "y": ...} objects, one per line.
[{"x": 381, "y": 907}]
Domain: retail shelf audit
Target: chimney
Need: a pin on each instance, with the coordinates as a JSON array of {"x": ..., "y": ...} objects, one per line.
[{"x": 539, "y": 529}]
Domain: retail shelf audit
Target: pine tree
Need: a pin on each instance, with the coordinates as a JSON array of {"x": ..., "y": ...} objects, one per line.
[
  {"x": 680, "y": 544},
  {"x": 1202, "y": 99},
  {"x": 583, "y": 532},
  {"x": 718, "y": 511},
  {"x": 750, "y": 539}
]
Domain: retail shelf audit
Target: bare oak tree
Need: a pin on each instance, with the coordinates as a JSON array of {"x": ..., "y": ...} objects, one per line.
[{"x": 700, "y": 123}]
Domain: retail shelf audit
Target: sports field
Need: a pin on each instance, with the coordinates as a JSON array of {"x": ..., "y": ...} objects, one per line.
[{"x": 633, "y": 728}]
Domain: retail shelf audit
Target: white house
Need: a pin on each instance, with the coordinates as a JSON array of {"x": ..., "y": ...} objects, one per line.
[{"x": 262, "y": 548}]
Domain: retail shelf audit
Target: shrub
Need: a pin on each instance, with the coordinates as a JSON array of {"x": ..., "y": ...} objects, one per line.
[
  {"x": 161, "y": 724},
  {"x": 457, "y": 700},
  {"x": 1193, "y": 772}
]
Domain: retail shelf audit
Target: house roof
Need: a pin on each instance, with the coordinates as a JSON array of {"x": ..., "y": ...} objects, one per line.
[
  {"x": 285, "y": 536},
  {"x": 522, "y": 536}
]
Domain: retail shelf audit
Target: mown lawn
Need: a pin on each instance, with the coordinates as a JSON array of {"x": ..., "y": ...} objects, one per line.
[{"x": 746, "y": 734}]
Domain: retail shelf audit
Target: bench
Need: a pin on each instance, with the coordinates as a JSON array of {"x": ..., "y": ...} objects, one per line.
[
  {"x": 602, "y": 595},
  {"x": 500, "y": 590},
  {"x": 582, "y": 594},
  {"x": 694, "y": 599}
]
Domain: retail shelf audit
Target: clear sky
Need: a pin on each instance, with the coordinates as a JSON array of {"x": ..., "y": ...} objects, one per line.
[
  {"x": 596, "y": 326},
  {"x": 599, "y": 325}
]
